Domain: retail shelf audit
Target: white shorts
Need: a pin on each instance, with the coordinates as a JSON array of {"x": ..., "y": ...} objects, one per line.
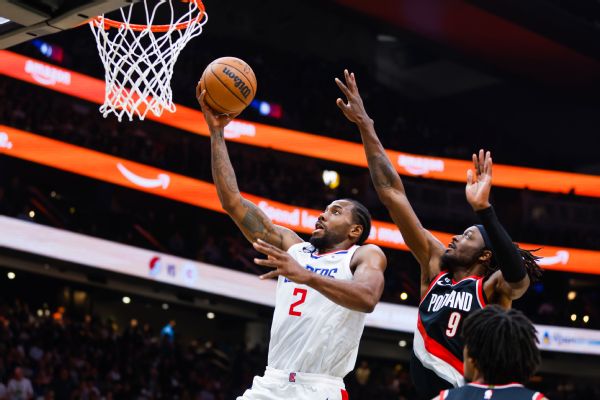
[{"x": 277, "y": 385}]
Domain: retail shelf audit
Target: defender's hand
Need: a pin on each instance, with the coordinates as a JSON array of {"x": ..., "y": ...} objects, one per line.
[
  {"x": 281, "y": 262},
  {"x": 214, "y": 120},
  {"x": 479, "y": 186},
  {"x": 354, "y": 110}
]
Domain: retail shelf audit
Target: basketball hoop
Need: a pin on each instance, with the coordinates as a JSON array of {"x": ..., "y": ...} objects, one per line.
[{"x": 139, "y": 58}]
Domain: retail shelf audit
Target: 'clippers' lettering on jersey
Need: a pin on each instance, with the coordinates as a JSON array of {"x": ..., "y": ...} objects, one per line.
[{"x": 328, "y": 272}]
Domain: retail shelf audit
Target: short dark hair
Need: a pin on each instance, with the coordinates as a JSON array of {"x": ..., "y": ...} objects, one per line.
[
  {"x": 361, "y": 217},
  {"x": 502, "y": 343}
]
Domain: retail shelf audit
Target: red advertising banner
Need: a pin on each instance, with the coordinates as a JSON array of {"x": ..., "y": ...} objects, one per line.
[
  {"x": 305, "y": 144},
  {"x": 107, "y": 168}
]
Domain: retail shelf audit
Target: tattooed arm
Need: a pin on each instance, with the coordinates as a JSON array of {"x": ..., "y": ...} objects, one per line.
[
  {"x": 424, "y": 246},
  {"x": 251, "y": 220}
]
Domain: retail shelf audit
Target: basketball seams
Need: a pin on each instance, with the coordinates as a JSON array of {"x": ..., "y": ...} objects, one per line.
[
  {"x": 223, "y": 110},
  {"x": 212, "y": 99},
  {"x": 242, "y": 73},
  {"x": 225, "y": 85}
]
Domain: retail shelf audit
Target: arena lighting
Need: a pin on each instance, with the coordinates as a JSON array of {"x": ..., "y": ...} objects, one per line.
[
  {"x": 40, "y": 312},
  {"x": 331, "y": 179},
  {"x": 403, "y": 296},
  {"x": 11, "y": 275},
  {"x": 165, "y": 306},
  {"x": 571, "y": 295},
  {"x": 51, "y": 51},
  {"x": 210, "y": 315},
  {"x": 402, "y": 343},
  {"x": 586, "y": 319},
  {"x": 382, "y": 37},
  {"x": 126, "y": 299},
  {"x": 266, "y": 108},
  {"x": 31, "y": 214},
  {"x": 573, "y": 317}
]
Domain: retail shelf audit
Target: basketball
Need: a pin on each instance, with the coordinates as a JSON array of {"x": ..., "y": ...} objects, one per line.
[{"x": 230, "y": 85}]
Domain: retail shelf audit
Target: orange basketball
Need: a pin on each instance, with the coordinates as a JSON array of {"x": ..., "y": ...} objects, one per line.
[{"x": 230, "y": 85}]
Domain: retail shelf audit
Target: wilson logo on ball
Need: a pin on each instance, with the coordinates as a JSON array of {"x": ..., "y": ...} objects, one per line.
[{"x": 238, "y": 83}]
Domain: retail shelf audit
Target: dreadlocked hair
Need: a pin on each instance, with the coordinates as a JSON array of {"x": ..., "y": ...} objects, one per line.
[
  {"x": 529, "y": 259},
  {"x": 502, "y": 343},
  {"x": 361, "y": 217}
]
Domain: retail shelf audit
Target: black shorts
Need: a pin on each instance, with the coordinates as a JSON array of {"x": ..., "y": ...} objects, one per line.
[{"x": 427, "y": 383}]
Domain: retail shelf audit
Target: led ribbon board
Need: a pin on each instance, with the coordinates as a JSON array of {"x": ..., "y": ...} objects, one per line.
[
  {"x": 304, "y": 144},
  {"x": 107, "y": 168}
]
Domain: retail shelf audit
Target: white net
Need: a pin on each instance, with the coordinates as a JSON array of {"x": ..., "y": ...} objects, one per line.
[{"x": 139, "y": 58}]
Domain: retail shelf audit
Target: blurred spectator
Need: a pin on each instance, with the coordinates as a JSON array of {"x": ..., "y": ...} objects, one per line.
[
  {"x": 168, "y": 331},
  {"x": 363, "y": 373},
  {"x": 19, "y": 387}
]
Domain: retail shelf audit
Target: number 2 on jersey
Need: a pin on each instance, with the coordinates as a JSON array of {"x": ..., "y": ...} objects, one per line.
[
  {"x": 302, "y": 293},
  {"x": 453, "y": 322}
]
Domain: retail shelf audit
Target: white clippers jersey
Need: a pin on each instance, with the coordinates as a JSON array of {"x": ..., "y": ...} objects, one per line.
[{"x": 311, "y": 333}]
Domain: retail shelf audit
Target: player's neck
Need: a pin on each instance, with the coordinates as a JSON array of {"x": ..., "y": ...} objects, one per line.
[
  {"x": 459, "y": 273},
  {"x": 337, "y": 247},
  {"x": 478, "y": 378}
]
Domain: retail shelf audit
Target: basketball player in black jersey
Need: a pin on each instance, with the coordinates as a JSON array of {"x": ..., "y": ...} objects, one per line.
[
  {"x": 500, "y": 355},
  {"x": 479, "y": 266}
]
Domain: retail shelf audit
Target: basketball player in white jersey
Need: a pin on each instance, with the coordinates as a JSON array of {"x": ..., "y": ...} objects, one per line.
[{"x": 325, "y": 287}]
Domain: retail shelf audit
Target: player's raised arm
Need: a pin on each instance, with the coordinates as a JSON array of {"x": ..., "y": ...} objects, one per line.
[
  {"x": 251, "y": 220},
  {"x": 512, "y": 280},
  {"x": 424, "y": 246}
]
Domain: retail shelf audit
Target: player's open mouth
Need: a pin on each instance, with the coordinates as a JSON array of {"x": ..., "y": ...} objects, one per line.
[{"x": 318, "y": 227}]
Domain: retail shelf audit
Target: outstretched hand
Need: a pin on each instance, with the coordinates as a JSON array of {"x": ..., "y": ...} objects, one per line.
[
  {"x": 354, "y": 109},
  {"x": 281, "y": 262},
  {"x": 479, "y": 183},
  {"x": 214, "y": 120}
]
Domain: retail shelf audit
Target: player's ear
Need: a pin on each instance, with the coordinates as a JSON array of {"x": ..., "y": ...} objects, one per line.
[
  {"x": 355, "y": 231},
  {"x": 486, "y": 255}
]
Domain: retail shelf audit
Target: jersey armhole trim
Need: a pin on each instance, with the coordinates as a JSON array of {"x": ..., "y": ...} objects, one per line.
[
  {"x": 352, "y": 249},
  {"x": 481, "y": 297},
  {"x": 444, "y": 394},
  {"x": 432, "y": 284}
]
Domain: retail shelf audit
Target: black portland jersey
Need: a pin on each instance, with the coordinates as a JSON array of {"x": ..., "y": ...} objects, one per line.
[
  {"x": 438, "y": 343},
  {"x": 473, "y": 391}
]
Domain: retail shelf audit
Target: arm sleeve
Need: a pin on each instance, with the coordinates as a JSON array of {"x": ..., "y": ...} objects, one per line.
[{"x": 506, "y": 253}]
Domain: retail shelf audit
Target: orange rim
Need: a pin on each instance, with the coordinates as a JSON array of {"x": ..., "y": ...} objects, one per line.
[{"x": 111, "y": 23}]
